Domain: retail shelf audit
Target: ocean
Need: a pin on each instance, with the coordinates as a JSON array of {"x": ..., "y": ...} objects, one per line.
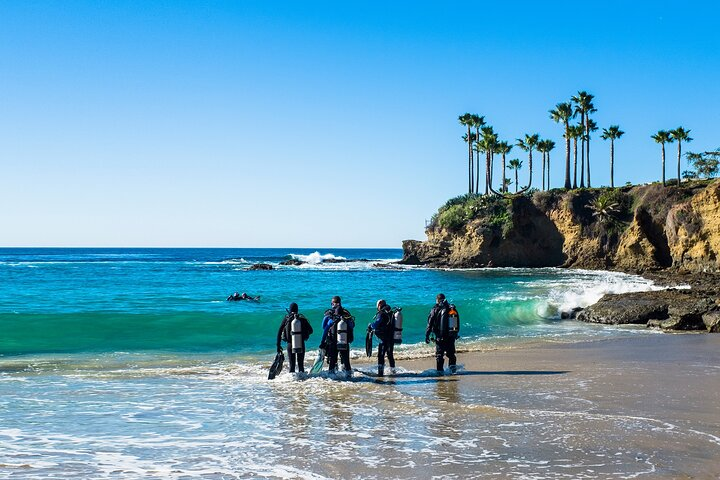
[{"x": 130, "y": 363}]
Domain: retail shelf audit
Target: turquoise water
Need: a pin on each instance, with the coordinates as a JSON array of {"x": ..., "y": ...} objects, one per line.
[
  {"x": 173, "y": 300},
  {"x": 129, "y": 363}
]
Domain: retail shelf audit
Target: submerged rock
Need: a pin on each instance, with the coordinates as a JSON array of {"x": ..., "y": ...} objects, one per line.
[
  {"x": 293, "y": 262},
  {"x": 261, "y": 266}
]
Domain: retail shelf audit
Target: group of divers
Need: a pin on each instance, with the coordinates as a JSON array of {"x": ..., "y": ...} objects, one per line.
[{"x": 338, "y": 326}]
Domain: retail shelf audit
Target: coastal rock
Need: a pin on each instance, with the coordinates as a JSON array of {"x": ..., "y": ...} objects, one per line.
[
  {"x": 711, "y": 320},
  {"x": 660, "y": 227},
  {"x": 260, "y": 266},
  {"x": 630, "y": 308},
  {"x": 693, "y": 231},
  {"x": 291, "y": 262}
]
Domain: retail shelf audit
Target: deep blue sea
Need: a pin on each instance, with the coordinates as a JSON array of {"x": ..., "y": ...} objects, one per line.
[{"x": 130, "y": 363}]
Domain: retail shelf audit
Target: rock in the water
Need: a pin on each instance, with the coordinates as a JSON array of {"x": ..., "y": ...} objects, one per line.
[
  {"x": 629, "y": 308},
  {"x": 292, "y": 262},
  {"x": 711, "y": 320},
  {"x": 261, "y": 266},
  {"x": 572, "y": 314}
]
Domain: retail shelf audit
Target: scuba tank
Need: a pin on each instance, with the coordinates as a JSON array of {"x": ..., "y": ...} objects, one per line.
[
  {"x": 444, "y": 324},
  {"x": 342, "y": 334},
  {"x": 296, "y": 334},
  {"x": 453, "y": 321},
  {"x": 397, "y": 323}
]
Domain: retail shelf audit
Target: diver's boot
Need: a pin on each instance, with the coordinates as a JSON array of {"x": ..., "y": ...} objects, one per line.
[
  {"x": 381, "y": 370},
  {"x": 439, "y": 367},
  {"x": 453, "y": 369}
]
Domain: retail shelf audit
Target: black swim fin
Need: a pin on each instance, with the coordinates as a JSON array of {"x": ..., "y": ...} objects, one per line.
[
  {"x": 368, "y": 343},
  {"x": 277, "y": 366}
]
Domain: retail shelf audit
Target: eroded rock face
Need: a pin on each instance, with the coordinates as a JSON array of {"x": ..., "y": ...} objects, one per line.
[
  {"x": 671, "y": 227},
  {"x": 711, "y": 320},
  {"x": 693, "y": 231}
]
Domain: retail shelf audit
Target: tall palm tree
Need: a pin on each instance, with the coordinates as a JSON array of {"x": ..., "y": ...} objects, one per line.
[
  {"x": 466, "y": 120},
  {"x": 549, "y": 147},
  {"x": 583, "y": 106},
  {"x": 612, "y": 133},
  {"x": 541, "y": 149},
  {"x": 662, "y": 137},
  {"x": 516, "y": 165},
  {"x": 563, "y": 113},
  {"x": 478, "y": 148},
  {"x": 590, "y": 126},
  {"x": 528, "y": 144},
  {"x": 489, "y": 139},
  {"x": 503, "y": 148},
  {"x": 680, "y": 135},
  {"x": 575, "y": 132},
  {"x": 478, "y": 122}
]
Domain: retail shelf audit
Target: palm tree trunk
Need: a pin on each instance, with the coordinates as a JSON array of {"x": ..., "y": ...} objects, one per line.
[
  {"x": 504, "y": 187},
  {"x": 575, "y": 162},
  {"x": 516, "y": 180},
  {"x": 567, "y": 156},
  {"x": 679, "y": 155},
  {"x": 582, "y": 151},
  {"x": 470, "y": 161},
  {"x": 663, "y": 163},
  {"x": 612, "y": 163},
  {"x": 543, "y": 171},
  {"x": 487, "y": 173},
  {"x": 530, "y": 168},
  {"x": 587, "y": 156},
  {"x": 477, "y": 174},
  {"x": 548, "y": 170}
]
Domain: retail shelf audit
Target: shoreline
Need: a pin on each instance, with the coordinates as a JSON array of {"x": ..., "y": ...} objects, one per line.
[{"x": 657, "y": 396}]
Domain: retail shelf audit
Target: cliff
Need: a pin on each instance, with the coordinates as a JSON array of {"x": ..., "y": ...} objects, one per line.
[{"x": 635, "y": 229}]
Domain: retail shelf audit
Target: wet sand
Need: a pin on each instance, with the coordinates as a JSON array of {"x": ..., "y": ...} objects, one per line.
[{"x": 644, "y": 407}]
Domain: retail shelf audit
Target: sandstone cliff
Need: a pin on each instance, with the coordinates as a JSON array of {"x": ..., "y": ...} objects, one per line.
[{"x": 635, "y": 229}]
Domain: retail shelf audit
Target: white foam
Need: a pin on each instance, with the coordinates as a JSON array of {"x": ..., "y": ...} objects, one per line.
[{"x": 315, "y": 257}]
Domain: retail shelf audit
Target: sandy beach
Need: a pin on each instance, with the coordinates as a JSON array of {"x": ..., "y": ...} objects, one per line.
[{"x": 619, "y": 408}]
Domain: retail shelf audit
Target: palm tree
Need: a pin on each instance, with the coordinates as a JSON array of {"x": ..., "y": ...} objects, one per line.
[
  {"x": 528, "y": 144},
  {"x": 541, "y": 149},
  {"x": 612, "y": 133},
  {"x": 662, "y": 137},
  {"x": 583, "y": 106},
  {"x": 516, "y": 165},
  {"x": 478, "y": 122},
  {"x": 466, "y": 120},
  {"x": 478, "y": 148},
  {"x": 575, "y": 132},
  {"x": 503, "y": 148},
  {"x": 563, "y": 113},
  {"x": 681, "y": 135},
  {"x": 590, "y": 126},
  {"x": 489, "y": 140},
  {"x": 549, "y": 147}
]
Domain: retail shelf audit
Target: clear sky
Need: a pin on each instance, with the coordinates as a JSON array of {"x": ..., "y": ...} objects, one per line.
[{"x": 317, "y": 124}]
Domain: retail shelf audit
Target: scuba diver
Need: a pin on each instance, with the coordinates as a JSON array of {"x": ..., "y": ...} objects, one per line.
[
  {"x": 444, "y": 324},
  {"x": 295, "y": 330},
  {"x": 383, "y": 326},
  {"x": 338, "y": 325},
  {"x": 236, "y": 296}
]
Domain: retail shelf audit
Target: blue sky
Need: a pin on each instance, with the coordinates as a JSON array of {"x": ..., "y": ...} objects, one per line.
[{"x": 316, "y": 124}]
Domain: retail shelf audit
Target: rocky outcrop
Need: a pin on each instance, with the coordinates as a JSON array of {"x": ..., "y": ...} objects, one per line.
[
  {"x": 665, "y": 309},
  {"x": 663, "y": 227},
  {"x": 260, "y": 266}
]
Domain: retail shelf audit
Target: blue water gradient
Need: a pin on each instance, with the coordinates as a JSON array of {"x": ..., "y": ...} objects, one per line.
[{"x": 173, "y": 300}]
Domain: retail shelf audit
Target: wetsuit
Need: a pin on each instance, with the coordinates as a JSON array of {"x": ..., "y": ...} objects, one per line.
[
  {"x": 329, "y": 341},
  {"x": 384, "y": 329},
  {"x": 444, "y": 341},
  {"x": 285, "y": 334}
]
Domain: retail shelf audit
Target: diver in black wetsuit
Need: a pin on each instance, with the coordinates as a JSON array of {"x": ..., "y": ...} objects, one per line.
[
  {"x": 338, "y": 325},
  {"x": 444, "y": 337},
  {"x": 384, "y": 327},
  {"x": 295, "y": 330}
]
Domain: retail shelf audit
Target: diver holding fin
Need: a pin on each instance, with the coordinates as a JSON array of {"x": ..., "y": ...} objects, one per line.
[
  {"x": 295, "y": 331},
  {"x": 338, "y": 326},
  {"x": 444, "y": 324}
]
